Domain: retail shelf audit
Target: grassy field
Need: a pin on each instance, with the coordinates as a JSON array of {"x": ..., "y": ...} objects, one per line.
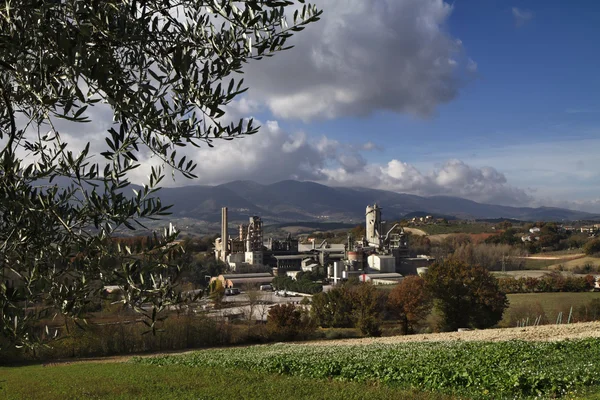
[
  {"x": 534, "y": 264},
  {"x": 550, "y": 303},
  {"x": 131, "y": 381},
  {"x": 579, "y": 262}
]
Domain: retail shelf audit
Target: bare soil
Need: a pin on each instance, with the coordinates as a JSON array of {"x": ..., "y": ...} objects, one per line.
[{"x": 532, "y": 333}]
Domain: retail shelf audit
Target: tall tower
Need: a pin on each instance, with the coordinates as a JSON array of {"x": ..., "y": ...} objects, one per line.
[
  {"x": 224, "y": 237},
  {"x": 373, "y": 228}
]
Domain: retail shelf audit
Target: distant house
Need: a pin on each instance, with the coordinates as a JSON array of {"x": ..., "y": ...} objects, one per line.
[{"x": 535, "y": 229}]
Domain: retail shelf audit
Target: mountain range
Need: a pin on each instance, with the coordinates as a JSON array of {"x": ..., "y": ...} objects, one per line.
[{"x": 290, "y": 201}]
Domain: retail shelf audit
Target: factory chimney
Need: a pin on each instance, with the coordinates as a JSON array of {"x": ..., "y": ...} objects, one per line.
[{"x": 224, "y": 236}]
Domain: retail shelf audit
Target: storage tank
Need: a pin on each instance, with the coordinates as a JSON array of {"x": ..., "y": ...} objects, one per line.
[{"x": 356, "y": 259}]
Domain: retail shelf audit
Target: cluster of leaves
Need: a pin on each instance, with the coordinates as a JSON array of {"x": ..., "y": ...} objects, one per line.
[
  {"x": 163, "y": 70},
  {"x": 513, "y": 369},
  {"x": 302, "y": 284},
  {"x": 550, "y": 282},
  {"x": 592, "y": 247},
  {"x": 410, "y": 302},
  {"x": 466, "y": 296},
  {"x": 346, "y": 306},
  {"x": 288, "y": 322}
]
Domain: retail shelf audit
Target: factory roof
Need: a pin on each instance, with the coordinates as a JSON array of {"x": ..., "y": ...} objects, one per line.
[
  {"x": 332, "y": 247},
  {"x": 382, "y": 256},
  {"x": 251, "y": 280},
  {"x": 389, "y": 275},
  {"x": 291, "y": 257},
  {"x": 251, "y": 275}
]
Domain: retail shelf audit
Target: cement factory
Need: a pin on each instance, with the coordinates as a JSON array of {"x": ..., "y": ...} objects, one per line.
[{"x": 381, "y": 257}]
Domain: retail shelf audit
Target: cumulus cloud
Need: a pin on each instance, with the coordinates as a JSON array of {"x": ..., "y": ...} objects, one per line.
[
  {"x": 362, "y": 56},
  {"x": 521, "y": 16},
  {"x": 453, "y": 178}
]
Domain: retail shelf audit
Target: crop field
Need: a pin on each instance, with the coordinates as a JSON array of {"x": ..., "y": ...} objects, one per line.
[{"x": 512, "y": 369}]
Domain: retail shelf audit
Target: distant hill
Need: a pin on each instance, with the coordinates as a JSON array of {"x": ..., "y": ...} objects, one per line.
[{"x": 290, "y": 201}]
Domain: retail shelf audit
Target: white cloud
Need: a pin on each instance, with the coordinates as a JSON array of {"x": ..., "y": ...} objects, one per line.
[
  {"x": 362, "y": 56},
  {"x": 521, "y": 16}
]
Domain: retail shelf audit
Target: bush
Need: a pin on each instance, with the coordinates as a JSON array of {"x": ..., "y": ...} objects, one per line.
[
  {"x": 551, "y": 282},
  {"x": 524, "y": 314},
  {"x": 592, "y": 247},
  {"x": 466, "y": 296},
  {"x": 288, "y": 322},
  {"x": 588, "y": 312}
]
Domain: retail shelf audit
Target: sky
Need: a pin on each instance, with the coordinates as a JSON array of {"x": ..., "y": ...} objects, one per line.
[{"x": 496, "y": 101}]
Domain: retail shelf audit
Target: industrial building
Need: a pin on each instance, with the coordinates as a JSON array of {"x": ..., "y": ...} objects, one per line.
[{"x": 380, "y": 257}]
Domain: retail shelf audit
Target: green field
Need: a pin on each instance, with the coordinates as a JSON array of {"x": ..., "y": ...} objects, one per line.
[{"x": 135, "y": 381}]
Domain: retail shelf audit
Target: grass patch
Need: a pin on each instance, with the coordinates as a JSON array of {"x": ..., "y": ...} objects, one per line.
[
  {"x": 135, "y": 381},
  {"x": 550, "y": 303},
  {"x": 513, "y": 369},
  {"x": 534, "y": 264},
  {"x": 594, "y": 262}
]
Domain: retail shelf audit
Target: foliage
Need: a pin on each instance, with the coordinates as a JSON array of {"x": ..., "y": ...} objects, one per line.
[
  {"x": 410, "y": 302},
  {"x": 490, "y": 256},
  {"x": 163, "y": 70},
  {"x": 418, "y": 244},
  {"x": 592, "y": 247},
  {"x": 216, "y": 292},
  {"x": 509, "y": 237},
  {"x": 589, "y": 311},
  {"x": 359, "y": 305},
  {"x": 199, "y": 271},
  {"x": 287, "y": 322},
  {"x": 512, "y": 369},
  {"x": 550, "y": 282},
  {"x": 465, "y": 295},
  {"x": 367, "y": 309},
  {"x": 333, "y": 308}
]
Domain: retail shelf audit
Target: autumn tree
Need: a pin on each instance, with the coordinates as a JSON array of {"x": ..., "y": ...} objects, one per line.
[
  {"x": 410, "y": 302},
  {"x": 157, "y": 74},
  {"x": 466, "y": 296}
]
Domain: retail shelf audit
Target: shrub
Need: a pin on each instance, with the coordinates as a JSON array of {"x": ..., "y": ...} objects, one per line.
[
  {"x": 287, "y": 322},
  {"x": 592, "y": 247}
]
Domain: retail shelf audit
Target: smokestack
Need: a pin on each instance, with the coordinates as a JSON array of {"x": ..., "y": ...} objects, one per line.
[{"x": 224, "y": 237}]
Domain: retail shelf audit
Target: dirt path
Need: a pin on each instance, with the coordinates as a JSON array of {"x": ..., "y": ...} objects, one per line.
[
  {"x": 533, "y": 333},
  {"x": 416, "y": 231}
]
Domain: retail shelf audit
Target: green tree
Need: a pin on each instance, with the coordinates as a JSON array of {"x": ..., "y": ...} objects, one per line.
[
  {"x": 410, "y": 302},
  {"x": 367, "y": 309},
  {"x": 333, "y": 308},
  {"x": 466, "y": 296},
  {"x": 592, "y": 247},
  {"x": 161, "y": 71}
]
